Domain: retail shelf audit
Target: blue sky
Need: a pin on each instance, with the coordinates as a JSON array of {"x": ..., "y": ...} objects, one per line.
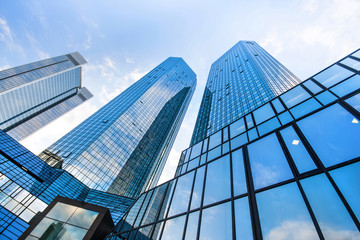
[{"x": 123, "y": 40}]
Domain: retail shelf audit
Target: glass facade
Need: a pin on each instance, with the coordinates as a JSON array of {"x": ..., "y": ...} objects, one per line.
[
  {"x": 241, "y": 80},
  {"x": 287, "y": 170},
  {"x": 123, "y": 147},
  {"x": 34, "y": 94}
]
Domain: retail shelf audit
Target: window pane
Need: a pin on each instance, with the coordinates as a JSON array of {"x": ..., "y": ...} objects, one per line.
[
  {"x": 263, "y": 113},
  {"x": 174, "y": 228},
  {"x": 294, "y": 96},
  {"x": 268, "y": 163},
  {"x": 242, "y": 219},
  {"x": 237, "y": 127},
  {"x": 285, "y": 118},
  {"x": 217, "y": 185},
  {"x": 239, "y": 180},
  {"x": 354, "y": 101},
  {"x": 333, "y": 133},
  {"x": 182, "y": 192},
  {"x": 83, "y": 218},
  {"x": 347, "y": 87},
  {"x": 130, "y": 218},
  {"x": 268, "y": 126},
  {"x": 193, "y": 163},
  {"x": 198, "y": 187},
  {"x": 249, "y": 121},
  {"x": 332, "y": 75},
  {"x": 252, "y": 134},
  {"x": 351, "y": 63},
  {"x": 225, "y": 134},
  {"x": 332, "y": 216},
  {"x": 61, "y": 211},
  {"x": 298, "y": 152},
  {"x": 313, "y": 87},
  {"x": 326, "y": 97},
  {"x": 216, "y": 222},
  {"x": 225, "y": 148},
  {"x": 205, "y": 145},
  {"x": 214, "y": 153},
  {"x": 305, "y": 108},
  {"x": 196, "y": 150},
  {"x": 278, "y": 105},
  {"x": 238, "y": 141},
  {"x": 283, "y": 212},
  {"x": 71, "y": 232},
  {"x": 154, "y": 205},
  {"x": 192, "y": 226},
  {"x": 215, "y": 140},
  {"x": 347, "y": 179}
]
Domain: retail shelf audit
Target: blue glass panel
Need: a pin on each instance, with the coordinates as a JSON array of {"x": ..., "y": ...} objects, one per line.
[
  {"x": 83, "y": 218},
  {"x": 205, "y": 145},
  {"x": 225, "y": 134},
  {"x": 212, "y": 154},
  {"x": 198, "y": 187},
  {"x": 216, "y": 222},
  {"x": 294, "y": 96},
  {"x": 298, "y": 152},
  {"x": 333, "y": 133},
  {"x": 268, "y": 163},
  {"x": 263, "y": 113},
  {"x": 217, "y": 184},
  {"x": 203, "y": 159},
  {"x": 174, "y": 228},
  {"x": 305, "y": 108},
  {"x": 225, "y": 148},
  {"x": 347, "y": 86},
  {"x": 238, "y": 141},
  {"x": 332, "y": 216},
  {"x": 354, "y": 101},
  {"x": 237, "y": 127},
  {"x": 313, "y": 87},
  {"x": 180, "y": 201},
  {"x": 283, "y": 212},
  {"x": 332, "y": 75},
  {"x": 285, "y": 118},
  {"x": 239, "y": 180},
  {"x": 278, "y": 105},
  {"x": 268, "y": 126},
  {"x": 252, "y": 134},
  {"x": 356, "y": 54},
  {"x": 196, "y": 150},
  {"x": 351, "y": 63},
  {"x": 215, "y": 140},
  {"x": 249, "y": 121},
  {"x": 242, "y": 219},
  {"x": 192, "y": 226},
  {"x": 347, "y": 179},
  {"x": 326, "y": 97},
  {"x": 193, "y": 164}
]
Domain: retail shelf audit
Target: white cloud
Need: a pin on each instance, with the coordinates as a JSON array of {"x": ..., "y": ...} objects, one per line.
[
  {"x": 130, "y": 60},
  {"x": 35, "y": 46},
  {"x": 5, "y": 67},
  {"x": 7, "y": 37}
]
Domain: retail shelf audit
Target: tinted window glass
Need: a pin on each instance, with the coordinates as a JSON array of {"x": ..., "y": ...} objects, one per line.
[
  {"x": 268, "y": 163},
  {"x": 242, "y": 219},
  {"x": 212, "y": 154},
  {"x": 238, "y": 141},
  {"x": 263, "y": 113},
  {"x": 333, "y": 133},
  {"x": 217, "y": 185},
  {"x": 182, "y": 192},
  {"x": 249, "y": 121},
  {"x": 332, "y": 75},
  {"x": 215, "y": 140},
  {"x": 239, "y": 181},
  {"x": 285, "y": 118},
  {"x": 354, "y": 101},
  {"x": 174, "y": 228},
  {"x": 294, "y": 96},
  {"x": 326, "y": 97},
  {"x": 351, "y": 63},
  {"x": 192, "y": 226},
  {"x": 332, "y": 216},
  {"x": 278, "y": 105},
  {"x": 282, "y": 210},
  {"x": 197, "y": 192},
  {"x": 237, "y": 127},
  {"x": 305, "y": 108},
  {"x": 252, "y": 134},
  {"x": 268, "y": 126},
  {"x": 196, "y": 150},
  {"x": 313, "y": 87},
  {"x": 347, "y": 87}
]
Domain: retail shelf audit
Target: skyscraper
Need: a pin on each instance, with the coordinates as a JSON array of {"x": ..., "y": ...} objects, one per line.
[
  {"x": 287, "y": 170},
  {"x": 35, "y": 94},
  {"x": 242, "y": 79},
  {"x": 123, "y": 147}
]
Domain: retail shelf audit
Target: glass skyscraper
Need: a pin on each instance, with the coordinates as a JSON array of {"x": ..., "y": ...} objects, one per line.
[
  {"x": 242, "y": 79},
  {"x": 288, "y": 169},
  {"x": 123, "y": 147},
  {"x": 35, "y": 94}
]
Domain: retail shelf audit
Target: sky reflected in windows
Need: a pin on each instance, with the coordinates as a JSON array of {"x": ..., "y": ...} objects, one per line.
[
  {"x": 333, "y": 75},
  {"x": 173, "y": 229},
  {"x": 242, "y": 219},
  {"x": 180, "y": 201},
  {"x": 192, "y": 226},
  {"x": 239, "y": 180}
]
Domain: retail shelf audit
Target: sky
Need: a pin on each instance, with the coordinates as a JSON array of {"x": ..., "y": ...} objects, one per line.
[{"x": 123, "y": 40}]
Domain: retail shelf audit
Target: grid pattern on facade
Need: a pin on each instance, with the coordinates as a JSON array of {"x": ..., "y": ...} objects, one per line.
[
  {"x": 97, "y": 150},
  {"x": 253, "y": 182},
  {"x": 244, "y": 78}
]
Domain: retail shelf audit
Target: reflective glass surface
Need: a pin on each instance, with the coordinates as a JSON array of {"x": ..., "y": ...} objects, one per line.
[
  {"x": 305, "y": 108},
  {"x": 333, "y": 133},
  {"x": 238, "y": 141},
  {"x": 313, "y": 87},
  {"x": 217, "y": 184},
  {"x": 242, "y": 219},
  {"x": 347, "y": 86},
  {"x": 239, "y": 180},
  {"x": 285, "y": 118},
  {"x": 268, "y": 163},
  {"x": 298, "y": 152},
  {"x": 278, "y": 105},
  {"x": 332, "y": 75},
  {"x": 351, "y": 63},
  {"x": 61, "y": 212},
  {"x": 354, "y": 101},
  {"x": 198, "y": 187},
  {"x": 192, "y": 226},
  {"x": 263, "y": 113},
  {"x": 237, "y": 127},
  {"x": 180, "y": 201},
  {"x": 282, "y": 212},
  {"x": 215, "y": 140},
  {"x": 216, "y": 222},
  {"x": 294, "y": 96},
  {"x": 332, "y": 216},
  {"x": 174, "y": 228},
  {"x": 326, "y": 97}
]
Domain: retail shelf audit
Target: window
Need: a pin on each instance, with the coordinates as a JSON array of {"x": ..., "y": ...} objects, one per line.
[
  {"x": 347, "y": 87},
  {"x": 354, "y": 101},
  {"x": 295, "y": 96},
  {"x": 268, "y": 163},
  {"x": 198, "y": 187},
  {"x": 332, "y": 75},
  {"x": 263, "y": 113},
  {"x": 237, "y": 127},
  {"x": 192, "y": 226},
  {"x": 305, "y": 108},
  {"x": 239, "y": 180},
  {"x": 313, "y": 87},
  {"x": 326, "y": 97},
  {"x": 215, "y": 140},
  {"x": 351, "y": 63},
  {"x": 174, "y": 228}
]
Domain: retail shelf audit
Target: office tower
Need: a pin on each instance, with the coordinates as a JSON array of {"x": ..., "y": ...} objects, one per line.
[
  {"x": 123, "y": 147},
  {"x": 35, "y": 94},
  {"x": 242, "y": 79},
  {"x": 289, "y": 169}
]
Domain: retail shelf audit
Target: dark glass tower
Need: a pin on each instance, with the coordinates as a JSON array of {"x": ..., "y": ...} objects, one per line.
[
  {"x": 35, "y": 94},
  {"x": 242, "y": 79},
  {"x": 123, "y": 147},
  {"x": 289, "y": 169}
]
